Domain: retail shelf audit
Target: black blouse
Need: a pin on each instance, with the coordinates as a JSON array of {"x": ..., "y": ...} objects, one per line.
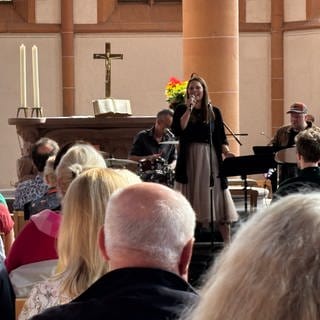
[{"x": 197, "y": 130}]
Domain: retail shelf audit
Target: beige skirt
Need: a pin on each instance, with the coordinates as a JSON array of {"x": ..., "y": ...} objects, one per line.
[{"x": 197, "y": 190}]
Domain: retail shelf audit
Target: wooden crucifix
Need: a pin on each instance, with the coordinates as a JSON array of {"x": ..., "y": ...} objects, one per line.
[{"x": 108, "y": 56}]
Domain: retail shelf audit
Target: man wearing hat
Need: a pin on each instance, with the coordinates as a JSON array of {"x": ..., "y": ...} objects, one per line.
[{"x": 284, "y": 137}]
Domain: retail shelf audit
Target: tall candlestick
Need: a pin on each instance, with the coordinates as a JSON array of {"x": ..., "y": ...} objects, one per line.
[
  {"x": 35, "y": 77},
  {"x": 23, "y": 77}
]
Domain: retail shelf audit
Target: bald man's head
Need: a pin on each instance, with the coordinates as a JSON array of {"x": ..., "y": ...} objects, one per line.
[{"x": 151, "y": 220}]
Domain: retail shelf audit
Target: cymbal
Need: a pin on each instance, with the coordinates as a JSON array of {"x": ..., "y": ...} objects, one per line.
[
  {"x": 169, "y": 142},
  {"x": 119, "y": 162},
  {"x": 288, "y": 155}
]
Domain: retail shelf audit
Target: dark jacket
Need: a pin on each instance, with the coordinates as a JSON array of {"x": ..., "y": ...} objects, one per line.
[
  {"x": 129, "y": 293},
  {"x": 144, "y": 144},
  {"x": 308, "y": 179},
  {"x": 197, "y": 131},
  {"x": 7, "y": 297},
  {"x": 284, "y": 136}
]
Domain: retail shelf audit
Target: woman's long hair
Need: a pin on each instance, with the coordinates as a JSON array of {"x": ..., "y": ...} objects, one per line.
[
  {"x": 83, "y": 214},
  {"x": 271, "y": 269},
  {"x": 205, "y": 113}
]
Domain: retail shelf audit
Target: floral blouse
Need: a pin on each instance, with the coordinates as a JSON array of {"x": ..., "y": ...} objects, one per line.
[{"x": 43, "y": 295}]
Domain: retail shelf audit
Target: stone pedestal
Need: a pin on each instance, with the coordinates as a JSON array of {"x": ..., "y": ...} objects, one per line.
[{"x": 112, "y": 135}]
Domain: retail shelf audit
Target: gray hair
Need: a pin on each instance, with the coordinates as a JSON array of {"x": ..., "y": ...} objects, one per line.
[
  {"x": 150, "y": 219},
  {"x": 271, "y": 269},
  {"x": 77, "y": 159},
  {"x": 49, "y": 172}
]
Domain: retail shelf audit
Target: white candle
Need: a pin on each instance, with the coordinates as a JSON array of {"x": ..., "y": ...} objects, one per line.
[
  {"x": 23, "y": 77},
  {"x": 35, "y": 77}
]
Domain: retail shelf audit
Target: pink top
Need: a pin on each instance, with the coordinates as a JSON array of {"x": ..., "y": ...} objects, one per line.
[
  {"x": 36, "y": 241},
  {"x": 6, "y": 222}
]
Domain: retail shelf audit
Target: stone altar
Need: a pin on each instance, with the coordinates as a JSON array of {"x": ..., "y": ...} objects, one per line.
[{"x": 112, "y": 135}]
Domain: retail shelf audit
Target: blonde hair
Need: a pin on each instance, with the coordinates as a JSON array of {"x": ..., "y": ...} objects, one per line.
[
  {"x": 271, "y": 269},
  {"x": 130, "y": 176},
  {"x": 77, "y": 159},
  {"x": 83, "y": 214}
]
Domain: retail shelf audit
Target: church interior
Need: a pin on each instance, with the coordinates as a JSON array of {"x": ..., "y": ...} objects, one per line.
[
  {"x": 58, "y": 58},
  {"x": 258, "y": 57}
]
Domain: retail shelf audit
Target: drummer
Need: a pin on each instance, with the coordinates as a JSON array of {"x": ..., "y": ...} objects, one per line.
[{"x": 154, "y": 143}]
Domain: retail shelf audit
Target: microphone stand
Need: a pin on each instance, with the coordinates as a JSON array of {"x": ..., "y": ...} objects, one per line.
[
  {"x": 232, "y": 133},
  {"x": 211, "y": 184},
  {"x": 211, "y": 169}
]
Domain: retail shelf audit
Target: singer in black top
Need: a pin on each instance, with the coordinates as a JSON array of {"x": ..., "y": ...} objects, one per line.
[
  {"x": 148, "y": 144},
  {"x": 192, "y": 124}
]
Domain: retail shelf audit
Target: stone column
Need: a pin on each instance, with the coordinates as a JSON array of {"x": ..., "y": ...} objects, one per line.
[
  {"x": 313, "y": 9},
  {"x": 211, "y": 49},
  {"x": 67, "y": 49},
  {"x": 277, "y": 81}
]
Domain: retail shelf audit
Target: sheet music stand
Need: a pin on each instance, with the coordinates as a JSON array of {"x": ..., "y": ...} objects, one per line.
[
  {"x": 265, "y": 150},
  {"x": 246, "y": 165}
]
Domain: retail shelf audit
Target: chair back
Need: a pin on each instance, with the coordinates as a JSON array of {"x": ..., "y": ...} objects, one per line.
[{"x": 26, "y": 276}]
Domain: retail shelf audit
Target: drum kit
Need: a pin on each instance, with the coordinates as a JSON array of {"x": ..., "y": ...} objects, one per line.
[
  {"x": 156, "y": 170},
  {"x": 119, "y": 163}
]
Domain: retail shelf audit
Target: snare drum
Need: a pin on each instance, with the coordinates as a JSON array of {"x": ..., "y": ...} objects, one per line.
[
  {"x": 156, "y": 170},
  {"x": 148, "y": 166}
]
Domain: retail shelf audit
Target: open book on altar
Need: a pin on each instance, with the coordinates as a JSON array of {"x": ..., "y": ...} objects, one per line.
[{"x": 111, "y": 107}]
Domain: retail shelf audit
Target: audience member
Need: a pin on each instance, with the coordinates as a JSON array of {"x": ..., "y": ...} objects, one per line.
[
  {"x": 50, "y": 200},
  {"x": 84, "y": 208},
  {"x": 271, "y": 269},
  {"x": 64, "y": 148},
  {"x": 147, "y": 241},
  {"x": 33, "y": 189},
  {"x": 6, "y": 228},
  {"x": 35, "y": 247},
  {"x": 78, "y": 158},
  {"x": 129, "y": 176},
  {"x": 26, "y": 169},
  {"x": 3, "y": 199},
  {"x": 7, "y": 297},
  {"x": 308, "y": 157}
]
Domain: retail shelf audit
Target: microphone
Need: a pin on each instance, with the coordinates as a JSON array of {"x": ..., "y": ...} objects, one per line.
[
  {"x": 263, "y": 134},
  {"x": 192, "y": 97},
  {"x": 269, "y": 173},
  {"x": 167, "y": 130}
]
